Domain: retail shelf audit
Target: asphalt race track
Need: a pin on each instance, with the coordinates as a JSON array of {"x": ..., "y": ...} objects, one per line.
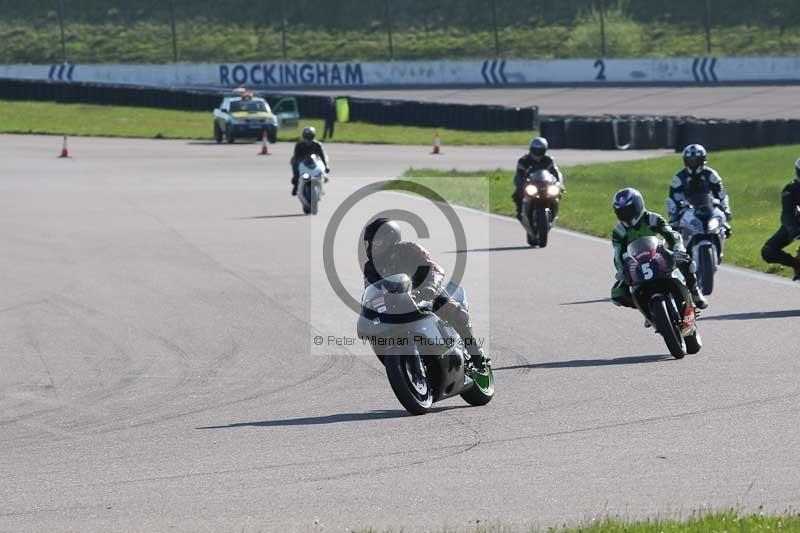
[
  {"x": 158, "y": 369},
  {"x": 728, "y": 102}
]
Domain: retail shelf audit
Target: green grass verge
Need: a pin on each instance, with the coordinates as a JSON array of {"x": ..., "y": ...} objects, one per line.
[
  {"x": 723, "y": 522},
  {"x": 753, "y": 178},
  {"x": 114, "y": 121}
]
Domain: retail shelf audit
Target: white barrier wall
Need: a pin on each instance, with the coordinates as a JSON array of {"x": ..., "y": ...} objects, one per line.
[{"x": 427, "y": 73}]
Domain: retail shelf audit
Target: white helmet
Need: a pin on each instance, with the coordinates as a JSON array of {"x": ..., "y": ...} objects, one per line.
[{"x": 695, "y": 157}]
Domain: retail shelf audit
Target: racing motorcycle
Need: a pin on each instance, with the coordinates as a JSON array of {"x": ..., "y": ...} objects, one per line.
[
  {"x": 659, "y": 292},
  {"x": 541, "y": 194},
  {"x": 704, "y": 229},
  {"x": 424, "y": 357},
  {"x": 312, "y": 178}
]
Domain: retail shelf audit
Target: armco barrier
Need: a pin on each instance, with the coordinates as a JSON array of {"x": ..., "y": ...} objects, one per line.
[{"x": 374, "y": 111}]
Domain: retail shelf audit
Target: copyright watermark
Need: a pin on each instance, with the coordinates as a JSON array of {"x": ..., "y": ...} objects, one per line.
[{"x": 454, "y": 239}]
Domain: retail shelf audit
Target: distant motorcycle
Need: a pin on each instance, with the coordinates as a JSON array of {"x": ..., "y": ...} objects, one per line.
[
  {"x": 424, "y": 357},
  {"x": 660, "y": 294},
  {"x": 312, "y": 179},
  {"x": 703, "y": 226},
  {"x": 541, "y": 194}
]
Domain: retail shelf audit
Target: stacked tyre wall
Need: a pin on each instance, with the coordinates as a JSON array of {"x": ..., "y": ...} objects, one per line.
[
  {"x": 639, "y": 132},
  {"x": 374, "y": 111}
]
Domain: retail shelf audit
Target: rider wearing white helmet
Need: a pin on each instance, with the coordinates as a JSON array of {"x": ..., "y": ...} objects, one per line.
[{"x": 695, "y": 177}]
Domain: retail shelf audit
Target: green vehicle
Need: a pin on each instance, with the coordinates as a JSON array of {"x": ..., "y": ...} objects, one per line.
[{"x": 250, "y": 117}]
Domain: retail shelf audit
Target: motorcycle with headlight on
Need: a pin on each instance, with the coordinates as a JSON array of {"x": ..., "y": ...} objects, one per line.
[
  {"x": 704, "y": 230},
  {"x": 312, "y": 178},
  {"x": 541, "y": 194}
]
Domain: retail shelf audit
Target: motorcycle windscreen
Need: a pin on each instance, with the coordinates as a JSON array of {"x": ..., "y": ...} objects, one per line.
[
  {"x": 389, "y": 300},
  {"x": 541, "y": 177},
  {"x": 642, "y": 245},
  {"x": 703, "y": 205}
]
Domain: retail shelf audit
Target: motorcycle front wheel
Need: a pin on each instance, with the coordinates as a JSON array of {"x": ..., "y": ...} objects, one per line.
[
  {"x": 542, "y": 226},
  {"x": 307, "y": 193},
  {"x": 663, "y": 322},
  {"x": 313, "y": 199},
  {"x": 409, "y": 382},
  {"x": 706, "y": 264}
]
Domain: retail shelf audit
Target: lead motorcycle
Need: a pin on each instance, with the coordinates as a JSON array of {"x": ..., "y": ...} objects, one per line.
[
  {"x": 704, "y": 230},
  {"x": 312, "y": 179},
  {"x": 659, "y": 292},
  {"x": 424, "y": 357},
  {"x": 541, "y": 194}
]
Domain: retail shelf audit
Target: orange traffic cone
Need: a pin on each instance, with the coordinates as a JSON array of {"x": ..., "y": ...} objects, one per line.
[
  {"x": 64, "y": 150},
  {"x": 264, "y": 145},
  {"x": 437, "y": 143}
]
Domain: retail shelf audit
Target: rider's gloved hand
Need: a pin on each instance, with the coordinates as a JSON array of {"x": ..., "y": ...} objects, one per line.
[
  {"x": 728, "y": 216},
  {"x": 327, "y": 170},
  {"x": 681, "y": 257}
]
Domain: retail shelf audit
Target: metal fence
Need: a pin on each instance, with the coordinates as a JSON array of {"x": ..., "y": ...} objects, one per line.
[{"x": 163, "y": 31}]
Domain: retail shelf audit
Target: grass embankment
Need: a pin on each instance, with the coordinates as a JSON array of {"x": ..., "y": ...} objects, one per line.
[
  {"x": 725, "y": 522},
  {"x": 753, "y": 178},
  {"x": 201, "y": 40},
  {"x": 114, "y": 121}
]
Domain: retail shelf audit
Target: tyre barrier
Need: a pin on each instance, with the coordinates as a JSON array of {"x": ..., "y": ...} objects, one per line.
[
  {"x": 374, "y": 111},
  {"x": 642, "y": 132}
]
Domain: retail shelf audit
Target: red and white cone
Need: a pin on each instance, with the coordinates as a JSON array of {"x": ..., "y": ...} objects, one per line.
[
  {"x": 64, "y": 150},
  {"x": 437, "y": 143},
  {"x": 264, "y": 144}
]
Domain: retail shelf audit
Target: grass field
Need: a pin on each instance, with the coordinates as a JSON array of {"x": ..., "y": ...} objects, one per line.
[
  {"x": 753, "y": 178},
  {"x": 200, "y": 40},
  {"x": 112, "y": 121}
]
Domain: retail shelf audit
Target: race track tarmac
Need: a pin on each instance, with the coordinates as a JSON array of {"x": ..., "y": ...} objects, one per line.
[
  {"x": 160, "y": 301},
  {"x": 727, "y": 102}
]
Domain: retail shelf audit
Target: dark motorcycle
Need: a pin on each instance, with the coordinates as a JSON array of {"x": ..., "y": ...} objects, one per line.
[
  {"x": 704, "y": 230},
  {"x": 424, "y": 357},
  {"x": 541, "y": 194},
  {"x": 660, "y": 294}
]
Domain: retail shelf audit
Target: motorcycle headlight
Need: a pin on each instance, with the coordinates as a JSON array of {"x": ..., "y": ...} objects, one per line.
[
  {"x": 306, "y": 176},
  {"x": 713, "y": 224},
  {"x": 553, "y": 190},
  {"x": 531, "y": 190}
]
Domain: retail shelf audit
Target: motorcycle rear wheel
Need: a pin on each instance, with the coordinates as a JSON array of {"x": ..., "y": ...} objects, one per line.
[
  {"x": 412, "y": 389},
  {"x": 668, "y": 330},
  {"x": 482, "y": 390}
]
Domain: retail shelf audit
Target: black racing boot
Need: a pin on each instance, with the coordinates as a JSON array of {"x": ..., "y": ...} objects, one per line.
[
  {"x": 796, "y": 269},
  {"x": 479, "y": 359},
  {"x": 699, "y": 300},
  {"x": 294, "y": 189}
]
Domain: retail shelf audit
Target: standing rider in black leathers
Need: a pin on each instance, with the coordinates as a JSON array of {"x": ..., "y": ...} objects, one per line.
[
  {"x": 695, "y": 178},
  {"x": 304, "y": 148},
  {"x": 772, "y": 252},
  {"x": 535, "y": 159},
  {"x": 388, "y": 255}
]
